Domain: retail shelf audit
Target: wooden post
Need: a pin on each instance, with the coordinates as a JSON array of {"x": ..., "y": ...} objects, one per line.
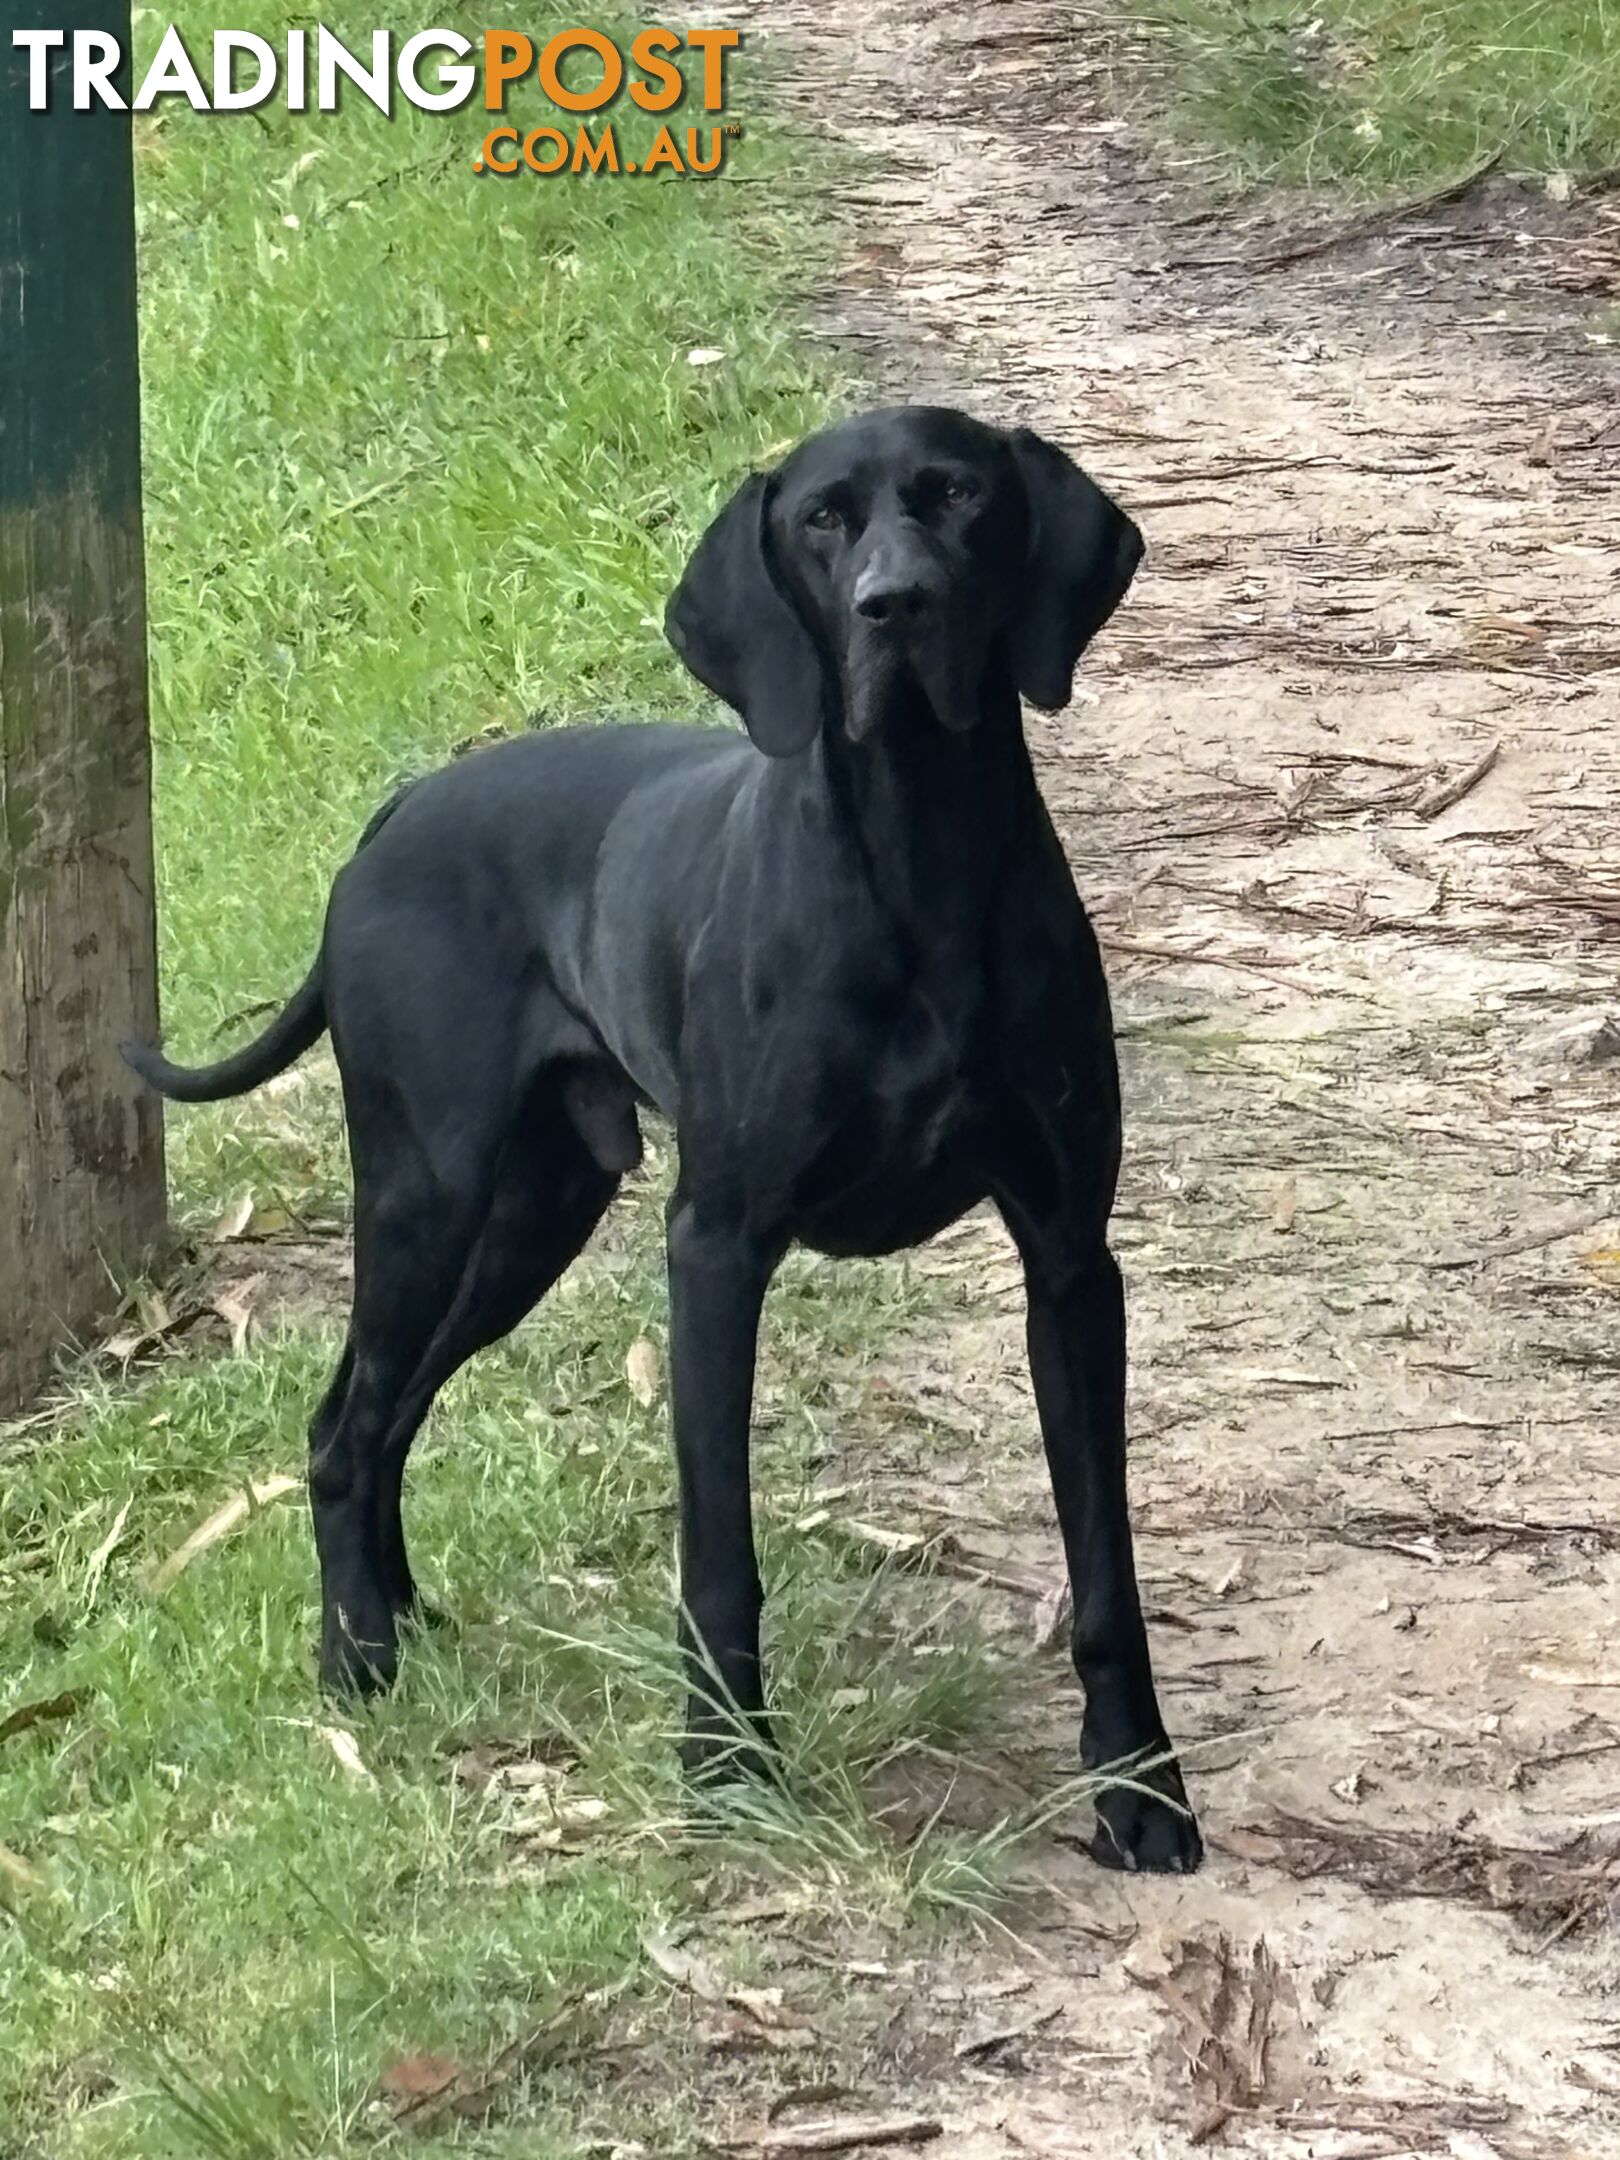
[{"x": 81, "y": 1145}]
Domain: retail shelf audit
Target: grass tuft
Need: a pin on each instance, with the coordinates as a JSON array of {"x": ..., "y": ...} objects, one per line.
[{"x": 1382, "y": 95}]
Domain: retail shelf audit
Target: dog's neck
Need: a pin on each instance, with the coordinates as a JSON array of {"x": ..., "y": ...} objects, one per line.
[{"x": 931, "y": 813}]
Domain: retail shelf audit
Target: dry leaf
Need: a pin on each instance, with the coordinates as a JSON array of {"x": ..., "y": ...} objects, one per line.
[
  {"x": 234, "y": 1220},
  {"x": 15, "y": 1870},
  {"x": 234, "y": 1304},
  {"x": 704, "y": 356},
  {"x": 559, "y": 1828},
  {"x": 685, "y": 1968},
  {"x": 105, "y": 1550},
  {"x": 414, "y": 2079},
  {"x": 1285, "y": 1206},
  {"x": 427, "y": 2088},
  {"x": 347, "y": 1750},
  {"x": 641, "y": 1370},
  {"x": 520, "y": 1776},
  {"x": 541, "y": 1759},
  {"x": 890, "y": 1541},
  {"x": 218, "y": 1525},
  {"x": 158, "y": 1326},
  {"x": 36, "y": 1713},
  {"x": 766, "y": 2007}
]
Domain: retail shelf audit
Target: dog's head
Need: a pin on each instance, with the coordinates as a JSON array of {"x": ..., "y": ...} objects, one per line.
[{"x": 911, "y": 551}]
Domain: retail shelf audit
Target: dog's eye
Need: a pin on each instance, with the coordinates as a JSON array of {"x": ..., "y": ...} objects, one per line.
[
  {"x": 825, "y": 517},
  {"x": 960, "y": 491}
]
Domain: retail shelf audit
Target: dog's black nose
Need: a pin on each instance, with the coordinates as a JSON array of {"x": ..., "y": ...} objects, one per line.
[{"x": 888, "y": 596}]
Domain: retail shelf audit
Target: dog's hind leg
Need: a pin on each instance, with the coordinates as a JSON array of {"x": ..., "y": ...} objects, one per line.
[
  {"x": 428, "y": 1068},
  {"x": 442, "y": 1268},
  {"x": 550, "y": 1194},
  {"x": 412, "y": 1253}
]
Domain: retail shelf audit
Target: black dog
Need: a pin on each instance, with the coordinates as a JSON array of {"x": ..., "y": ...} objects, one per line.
[{"x": 853, "y": 972}]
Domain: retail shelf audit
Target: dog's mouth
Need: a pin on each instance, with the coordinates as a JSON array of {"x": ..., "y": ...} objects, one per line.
[{"x": 883, "y": 664}]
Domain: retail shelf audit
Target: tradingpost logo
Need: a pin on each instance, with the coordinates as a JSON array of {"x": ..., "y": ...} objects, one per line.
[{"x": 580, "y": 71}]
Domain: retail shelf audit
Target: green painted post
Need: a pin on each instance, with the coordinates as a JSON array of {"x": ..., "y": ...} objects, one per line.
[{"x": 81, "y": 1150}]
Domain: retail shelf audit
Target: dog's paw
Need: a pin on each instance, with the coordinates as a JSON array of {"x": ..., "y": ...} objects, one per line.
[
  {"x": 729, "y": 1755},
  {"x": 356, "y": 1661},
  {"x": 1153, "y": 1831}
]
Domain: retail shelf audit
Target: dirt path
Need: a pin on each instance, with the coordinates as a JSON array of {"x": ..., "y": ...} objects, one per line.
[{"x": 1369, "y": 1224}]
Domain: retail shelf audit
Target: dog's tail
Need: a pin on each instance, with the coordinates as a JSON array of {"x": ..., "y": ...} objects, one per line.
[{"x": 300, "y": 1022}]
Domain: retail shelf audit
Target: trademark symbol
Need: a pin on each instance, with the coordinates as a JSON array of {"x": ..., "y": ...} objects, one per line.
[{"x": 733, "y": 128}]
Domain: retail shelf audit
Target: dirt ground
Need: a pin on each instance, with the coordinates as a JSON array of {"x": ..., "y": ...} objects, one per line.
[{"x": 1342, "y": 789}]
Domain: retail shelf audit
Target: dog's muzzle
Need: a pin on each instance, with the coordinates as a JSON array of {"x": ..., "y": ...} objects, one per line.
[{"x": 896, "y": 596}]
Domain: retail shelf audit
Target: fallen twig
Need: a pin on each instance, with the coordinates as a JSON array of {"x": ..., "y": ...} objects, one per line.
[
  {"x": 1553, "y": 1891},
  {"x": 844, "y": 2137},
  {"x": 220, "y": 1524},
  {"x": 1375, "y": 221},
  {"x": 1141, "y": 948},
  {"x": 1436, "y": 799},
  {"x": 1522, "y": 1241}
]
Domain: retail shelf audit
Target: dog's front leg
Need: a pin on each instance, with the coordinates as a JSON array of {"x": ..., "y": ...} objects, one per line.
[
  {"x": 1076, "y": 1327},
  {"x": 717, "y": 1278}
]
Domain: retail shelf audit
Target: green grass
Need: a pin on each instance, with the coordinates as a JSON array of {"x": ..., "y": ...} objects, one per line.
[
  {"x": 216, "y": 1936},
  {"x": 423, "y": 455},
  {"x": 1380, "y": 95},
  {"x": 229, "y": 1936}
]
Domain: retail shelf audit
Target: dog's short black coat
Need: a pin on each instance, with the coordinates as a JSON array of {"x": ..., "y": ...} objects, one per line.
[{"x": 843, "y": 955}]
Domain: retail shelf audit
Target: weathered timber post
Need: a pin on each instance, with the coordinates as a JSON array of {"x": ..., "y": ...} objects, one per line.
[{"x": 81, "y": 1148}]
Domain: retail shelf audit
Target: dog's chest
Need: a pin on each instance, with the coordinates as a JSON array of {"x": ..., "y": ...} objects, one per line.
[{"x": 897, "y": 1160}]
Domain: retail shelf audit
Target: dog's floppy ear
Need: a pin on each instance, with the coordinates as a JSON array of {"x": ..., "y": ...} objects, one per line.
[
  {"x": 740, "y": 634},
  {"x": 1083, "y": 553}
]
